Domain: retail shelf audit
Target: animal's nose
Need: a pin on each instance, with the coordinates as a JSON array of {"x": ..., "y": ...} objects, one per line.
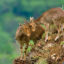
[
  {"x": 28, "y": 35},
  {"x": 33, "y": 29}
]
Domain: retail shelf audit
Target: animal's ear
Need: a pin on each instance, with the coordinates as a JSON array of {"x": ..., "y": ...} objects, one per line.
[
  {"x": 25, "y": 22},
  {"x": 31, "y": 18},
  {"x": 20, "y": 24}
]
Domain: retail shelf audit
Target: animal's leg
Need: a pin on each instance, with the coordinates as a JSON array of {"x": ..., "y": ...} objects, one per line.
[
  {"x": 21, "y": 57},
  {"x": 46, "y": 36},
  {"x": 47, "y": 32},
  {"x": 62, "y": 27},
  {"x": 57, "y": 26},
  {"x": 60, "y": 31},
  {"x": 58, "y": 35},
  {"x": 25, "y": 51},
  {"x": 23, "y": 54}
]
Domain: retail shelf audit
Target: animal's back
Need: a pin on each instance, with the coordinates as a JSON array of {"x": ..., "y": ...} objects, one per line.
[{"x": 51, "y": 15}]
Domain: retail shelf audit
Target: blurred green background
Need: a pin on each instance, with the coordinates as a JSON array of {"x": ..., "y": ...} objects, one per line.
[{"x": 13, "y": 12}]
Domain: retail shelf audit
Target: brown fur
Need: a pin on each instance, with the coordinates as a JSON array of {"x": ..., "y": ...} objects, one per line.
[
  {"x": 28, "y": 31},
  {"x": 37, "y": 34},
  {"x": 23, "y": 34},
  {"x": 54, "y": 16}
]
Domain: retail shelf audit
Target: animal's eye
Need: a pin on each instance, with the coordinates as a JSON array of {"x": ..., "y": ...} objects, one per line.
[{"x": 30, "y": 26}]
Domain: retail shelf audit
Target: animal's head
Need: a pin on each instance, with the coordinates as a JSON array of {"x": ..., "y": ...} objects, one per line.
[
  {"x": 23, "y": 29},
  {"x": 26, "y": 29},
  {"x": 32, "y": 24}
]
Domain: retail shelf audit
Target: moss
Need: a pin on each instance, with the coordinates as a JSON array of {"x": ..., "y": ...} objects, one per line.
[
  {"x": 41, "y": 61},
  {"x": 62, "y": 43}
]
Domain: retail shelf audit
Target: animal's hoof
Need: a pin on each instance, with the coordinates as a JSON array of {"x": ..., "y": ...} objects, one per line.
[
  {"x": 23, "y": 59},
  {"x": 57, "y": 37},
  {"x": 46, "y": 40}
]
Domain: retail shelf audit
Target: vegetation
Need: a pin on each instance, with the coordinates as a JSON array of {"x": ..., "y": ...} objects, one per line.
[{"x": 62, "y": 2}]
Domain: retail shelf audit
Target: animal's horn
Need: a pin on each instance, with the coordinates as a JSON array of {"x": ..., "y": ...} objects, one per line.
[
  {"x": 25, "y": 21},
  {"x": 20, "y": 24},
  {"x": 31, "y": 18}
]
